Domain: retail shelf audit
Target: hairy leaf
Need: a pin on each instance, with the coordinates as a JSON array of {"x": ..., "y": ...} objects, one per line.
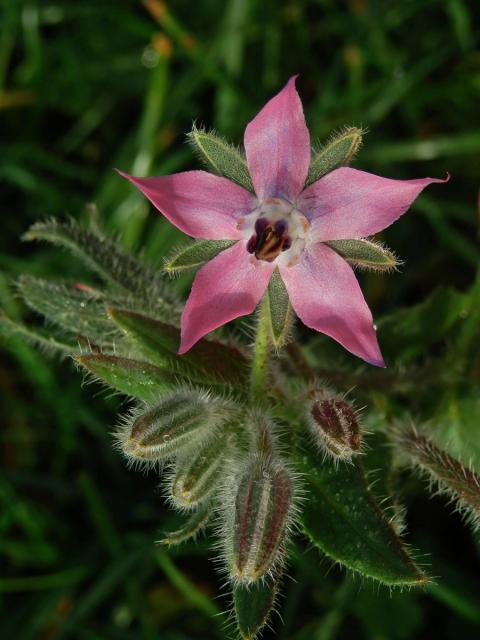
[
  {"x": 195, "y": 255},
  {"x": 34, "y": 336},
  {"x": 158, "y": 342},
  {"x": 221, "y": 157},
  {"x": 253, "y": 605},
  {"x": 106, "y": 258},
  {"x": 337, "y": 152},
  {"x": 77, "y": 312},
  {"x": 138, "y": 379},
  {"x": 343, "y": 519}
]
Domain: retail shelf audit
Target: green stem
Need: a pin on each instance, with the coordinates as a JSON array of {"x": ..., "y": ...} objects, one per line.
[{"x": 261, "y": 353}]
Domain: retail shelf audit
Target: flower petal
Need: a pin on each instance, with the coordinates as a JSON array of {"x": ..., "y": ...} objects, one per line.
[
  {"x": 347, "y": 203},
  {"x": 277, "y": 144},
  {"x": 198, "y": 203},
  {"x": 326, "y": 296},
  {"x": 225, "y": 288}
]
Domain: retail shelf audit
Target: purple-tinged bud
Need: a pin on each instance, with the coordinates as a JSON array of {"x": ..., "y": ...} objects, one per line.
[
  {"x": 183, "y": 420},
  {"x": 197, "y": 474},
  {"x": 258, "y": 509},
  {"x": 334, "y": 425}
]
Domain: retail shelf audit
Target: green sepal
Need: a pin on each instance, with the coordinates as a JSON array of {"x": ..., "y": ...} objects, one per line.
[
  {"x": 194, "y": 255},
  {"x": 365, "y": 254},
  {"x": 221, "y": 157},
  {"x": 253, "y": 604},
  {"x": 158, "y": 342},
  {"x": 121, "y": 271},
  {"x": 134, "y": 378},
  {"x": 280, "y": 310},
  {"x": 337, "y": 152},
  {"x": 192, "y": 526},
  {"x": 75, "y": 311},
  {"x": 344, "y": 520}
]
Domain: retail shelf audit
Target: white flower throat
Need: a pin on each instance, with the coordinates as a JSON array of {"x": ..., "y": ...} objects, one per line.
[{"x": 275, "y": 231}]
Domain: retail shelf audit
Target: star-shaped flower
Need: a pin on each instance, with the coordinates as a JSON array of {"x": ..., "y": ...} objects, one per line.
[{"x": 282, "y": 225}]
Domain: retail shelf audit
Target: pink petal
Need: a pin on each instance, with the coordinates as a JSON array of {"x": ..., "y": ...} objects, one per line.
[
  {"x": 277, "y": 143},
  {"x": 198, "y": 203},
  {"x": 225, "y": 288},
  {"x": 326, "y": 296},
  {"x": 348, "y": 203}
]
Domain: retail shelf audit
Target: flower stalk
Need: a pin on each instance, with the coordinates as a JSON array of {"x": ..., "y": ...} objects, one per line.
[{"x": 261, "y": 354}]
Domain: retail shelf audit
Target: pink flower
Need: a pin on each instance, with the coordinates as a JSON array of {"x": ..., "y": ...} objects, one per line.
[{"x": 282, "y": 225}]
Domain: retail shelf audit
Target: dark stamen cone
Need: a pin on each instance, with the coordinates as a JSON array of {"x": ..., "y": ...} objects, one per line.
[
  {"x": 258, "y": 517},
  {"x": 334, "y": 425}
]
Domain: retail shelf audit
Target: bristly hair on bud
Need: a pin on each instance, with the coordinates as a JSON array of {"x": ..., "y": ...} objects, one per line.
[
  {"x": 258, "y": 509},
  {"x": 333, "y": 424},
  {"x": 181, "y": 420},
  {"x": 263, "y": 433},
  {"x": 195, "y": 475},
  {"x": 447, "y": 475}
]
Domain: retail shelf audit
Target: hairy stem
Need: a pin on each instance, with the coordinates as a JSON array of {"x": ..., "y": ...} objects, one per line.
[{"x": 261, "y": 354}]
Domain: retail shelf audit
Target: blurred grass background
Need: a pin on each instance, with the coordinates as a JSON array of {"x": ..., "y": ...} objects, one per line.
[{"x": 87, "y": 86}]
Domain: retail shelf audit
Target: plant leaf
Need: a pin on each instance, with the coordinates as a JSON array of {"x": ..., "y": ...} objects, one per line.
[
  {"x": 46, "y": 341},
  {"x": 253, "y": 605},
  {"x": 408, "y": 333},
  {"x": 365, "y": 254},
  {"x": 158, "y": 342},
  {"x": 344, "y": 520},
  {"x": 195, "y": 255},
  {"x": 221, "y": 157},
  {"x": 75, "y": 311},
  {"x": 121, "y": 271},
  {"x": 138, "y": 379},
  {"x": 280, "y": 310},
  {"x": 337, "y": 152}
]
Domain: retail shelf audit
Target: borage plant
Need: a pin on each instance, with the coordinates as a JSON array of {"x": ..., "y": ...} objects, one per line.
[{"x": 252, "y": 441}]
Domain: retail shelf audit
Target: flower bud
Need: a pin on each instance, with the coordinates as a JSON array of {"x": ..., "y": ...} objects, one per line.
[
  {"x": 258, "y": 515},
  {"x": 334, "y": 425},
  {"x": 198, "y": 473},
  {"x": 182, "y": 420}
]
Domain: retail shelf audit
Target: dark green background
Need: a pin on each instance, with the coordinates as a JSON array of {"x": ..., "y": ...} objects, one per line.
[{"x": 89, "y": 85}]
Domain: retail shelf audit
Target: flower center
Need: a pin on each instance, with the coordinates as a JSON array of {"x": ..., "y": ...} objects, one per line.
[{"x": 275, "y": 230}]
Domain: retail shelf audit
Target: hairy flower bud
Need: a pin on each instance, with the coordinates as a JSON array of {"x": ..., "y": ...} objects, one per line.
[
  {"x": 258, "y": 513},
  {"x": 197, "y": 474},
  {"x": 182, "y": 420},
  {"x": 334, "y": 425}
]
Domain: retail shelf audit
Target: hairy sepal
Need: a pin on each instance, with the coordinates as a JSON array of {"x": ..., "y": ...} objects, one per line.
[
  {"x": 258, "y": 510},
  {"x": 179, "y": 423},
  {"x": 194, "y": 525},
  {"x": 199, "y": 473},
  {"x": 280, "y": 310},
  {"x": 221, "y": 157},
  {"x": 365, "y": 254},
  {"x": 337, "y": 152},
  {"x": 47, "y": 341},
  {"x": 194, "y": 255},
  {"x": 333, "y": 424}
]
